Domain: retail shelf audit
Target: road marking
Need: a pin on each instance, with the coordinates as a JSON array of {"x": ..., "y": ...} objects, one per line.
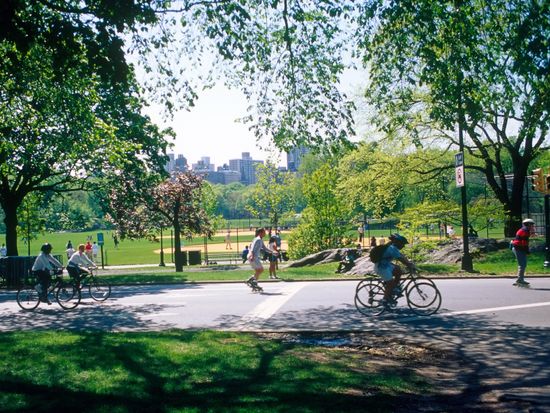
[
  {"x": 488, "y": 310},
  {"x": 268, "y": 307}
]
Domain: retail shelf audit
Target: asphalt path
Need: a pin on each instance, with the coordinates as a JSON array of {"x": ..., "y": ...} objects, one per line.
[
  {"x": 317, "y": 306},
  {"x": 501, "y": 332}
]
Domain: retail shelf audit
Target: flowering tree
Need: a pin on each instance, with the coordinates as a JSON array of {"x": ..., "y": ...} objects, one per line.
[{"x": 140, "y": 208}]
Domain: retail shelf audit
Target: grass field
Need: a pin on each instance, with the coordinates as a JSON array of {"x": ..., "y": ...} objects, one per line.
[{"x": 192, "y": 372}]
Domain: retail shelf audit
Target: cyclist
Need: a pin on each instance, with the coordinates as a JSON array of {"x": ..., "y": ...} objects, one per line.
[
  {"x": 387, "y": 270},
  {"x": 45, "y": 266},
  {"x": 79, "y": 264},
  {"x": 520, "y": 247}
]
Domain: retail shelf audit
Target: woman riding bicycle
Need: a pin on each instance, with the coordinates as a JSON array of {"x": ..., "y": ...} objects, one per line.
[
  {"x": 387, "y": 270},
  {"x": 79, "y": 264},
  {"x": 45, "y": 266}
]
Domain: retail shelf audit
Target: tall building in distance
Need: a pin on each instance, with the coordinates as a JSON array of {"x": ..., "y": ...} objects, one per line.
[
  {"x": 181, "y": 163},
  {"x": 175, "y": 164},
  {"x": 294, "y": 157},
  {"x": 246, "y": 166},
  {"x": 203, "y": 165}
]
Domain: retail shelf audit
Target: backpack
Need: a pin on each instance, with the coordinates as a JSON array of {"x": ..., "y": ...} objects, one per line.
[{"x": 376, "y": 253}]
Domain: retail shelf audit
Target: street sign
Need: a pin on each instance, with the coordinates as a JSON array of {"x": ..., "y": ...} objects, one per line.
[
  {"x": 100, "y": 240},
  {"x": 459, "y": 169}
]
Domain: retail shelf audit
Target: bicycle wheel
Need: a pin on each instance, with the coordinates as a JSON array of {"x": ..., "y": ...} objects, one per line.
[
  {"x": 364, "y": 281},
  {"x": 368, "y": 298},
  {"x": 99, "y": 289},
  {"x": 68, "y": 295},
  {"x": 423, "y": 298},
  {"x": 28, "y": 298}
]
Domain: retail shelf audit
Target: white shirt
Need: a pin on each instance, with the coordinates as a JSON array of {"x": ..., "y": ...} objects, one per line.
[
  {"x": 95, "y": 249},
  {"x": 79, "y": 259},
  {"x": 45, "y": 262}
]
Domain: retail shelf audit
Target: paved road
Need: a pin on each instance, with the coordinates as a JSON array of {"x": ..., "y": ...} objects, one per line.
[{"x": 285, "y": 306}]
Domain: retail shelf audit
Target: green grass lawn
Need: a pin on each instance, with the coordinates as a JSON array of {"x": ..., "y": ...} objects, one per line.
[
  {"x": 189, "y": 371},
  {"x": 141, "y": 251}
]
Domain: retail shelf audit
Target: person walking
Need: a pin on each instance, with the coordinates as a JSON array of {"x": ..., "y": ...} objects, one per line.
[
  {"x": 254, "y": 257},
  {"x": 3, "y": 250},
  {"x": 520, "y": 247}
]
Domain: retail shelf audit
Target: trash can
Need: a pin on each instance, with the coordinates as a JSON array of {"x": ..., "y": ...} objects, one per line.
[{"x": 195, "y": 257}]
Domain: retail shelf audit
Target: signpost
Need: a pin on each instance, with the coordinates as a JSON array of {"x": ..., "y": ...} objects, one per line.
[{"x": 459, "y": 169}]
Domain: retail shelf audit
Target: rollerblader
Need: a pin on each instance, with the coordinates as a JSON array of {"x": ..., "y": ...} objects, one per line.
[
  {"x": 254, "y": 258},
  {"x": 520, "y": 247}
]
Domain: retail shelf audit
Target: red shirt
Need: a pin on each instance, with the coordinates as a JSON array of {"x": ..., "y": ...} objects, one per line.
[{"x": 521, "y": 242}]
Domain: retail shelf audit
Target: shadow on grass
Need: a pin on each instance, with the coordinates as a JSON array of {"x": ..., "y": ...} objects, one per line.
[{"x": 210, "y": 372}]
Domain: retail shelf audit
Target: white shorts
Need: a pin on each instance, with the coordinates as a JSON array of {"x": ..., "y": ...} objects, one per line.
[
  {"x": 385, "y": 272},
  {"x": 256, "y": 264}
]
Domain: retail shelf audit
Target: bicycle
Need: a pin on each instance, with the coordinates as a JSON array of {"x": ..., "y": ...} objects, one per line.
[
  {"x": 65, "y": 292},
  {"x": 423, "y": 297},
  {"x": 99, "y": 289}
]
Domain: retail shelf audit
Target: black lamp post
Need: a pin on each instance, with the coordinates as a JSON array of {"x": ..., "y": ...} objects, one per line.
[{"x": 162, "y": 264}]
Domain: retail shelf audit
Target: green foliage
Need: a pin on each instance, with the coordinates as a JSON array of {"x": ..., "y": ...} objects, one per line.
[
  {"x": 481, "y": 65},
  {"x": 322, "y": 224},
  {"x": 62, "y": 134},
  {"x": 271, "y": 196}
]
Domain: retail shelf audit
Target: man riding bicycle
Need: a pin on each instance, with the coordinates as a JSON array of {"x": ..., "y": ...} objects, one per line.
[
  {"x": 79, "y": 263},
  {"x": 387, "y": 270}
]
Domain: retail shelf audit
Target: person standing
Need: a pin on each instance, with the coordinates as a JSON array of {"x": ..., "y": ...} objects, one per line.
[
  {"x": 45, "y": 266},
  {"x": 3, "y": 250},
  {"x": 278, "y": 242},
  {"x": 361, "y": 231},
  {"x": 95, "y": 251},
  {"x": 70, "y": 250},
  {"x": 88, "y": 249},
  {"x": 520, "y": 247},
  {"x": 254, "y": 257},
  {"x": 228, "y": 240},
  {"x": 273, "y": 258},
  {"x": 244, "y": 254}
]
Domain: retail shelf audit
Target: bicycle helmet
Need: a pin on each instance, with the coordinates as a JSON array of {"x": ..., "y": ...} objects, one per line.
[
  {"x": 46, "y": 248},
  {"x": 528, "y": 221},
  {"x": 398, "y": 239}
]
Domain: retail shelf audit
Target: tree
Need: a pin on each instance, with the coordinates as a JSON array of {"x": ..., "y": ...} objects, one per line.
[
  {"x": 370, "y": 181},
  {"x": 323, "y": 221},
  {"x": 481, "y": 65},
  {"x": 140, "y": 207},
  {"x": 65, "y": 134},
  {"x": 284, "y": 54},
  {"x": 271, "y": 196}
]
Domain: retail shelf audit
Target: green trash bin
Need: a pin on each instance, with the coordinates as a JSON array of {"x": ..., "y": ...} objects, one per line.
[{"x": 195, "y": 257}]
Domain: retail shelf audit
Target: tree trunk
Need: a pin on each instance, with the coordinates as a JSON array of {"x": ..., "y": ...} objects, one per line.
[
  {"x": 10, "y": 220},
  {"x": 178, "y": 255}
]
